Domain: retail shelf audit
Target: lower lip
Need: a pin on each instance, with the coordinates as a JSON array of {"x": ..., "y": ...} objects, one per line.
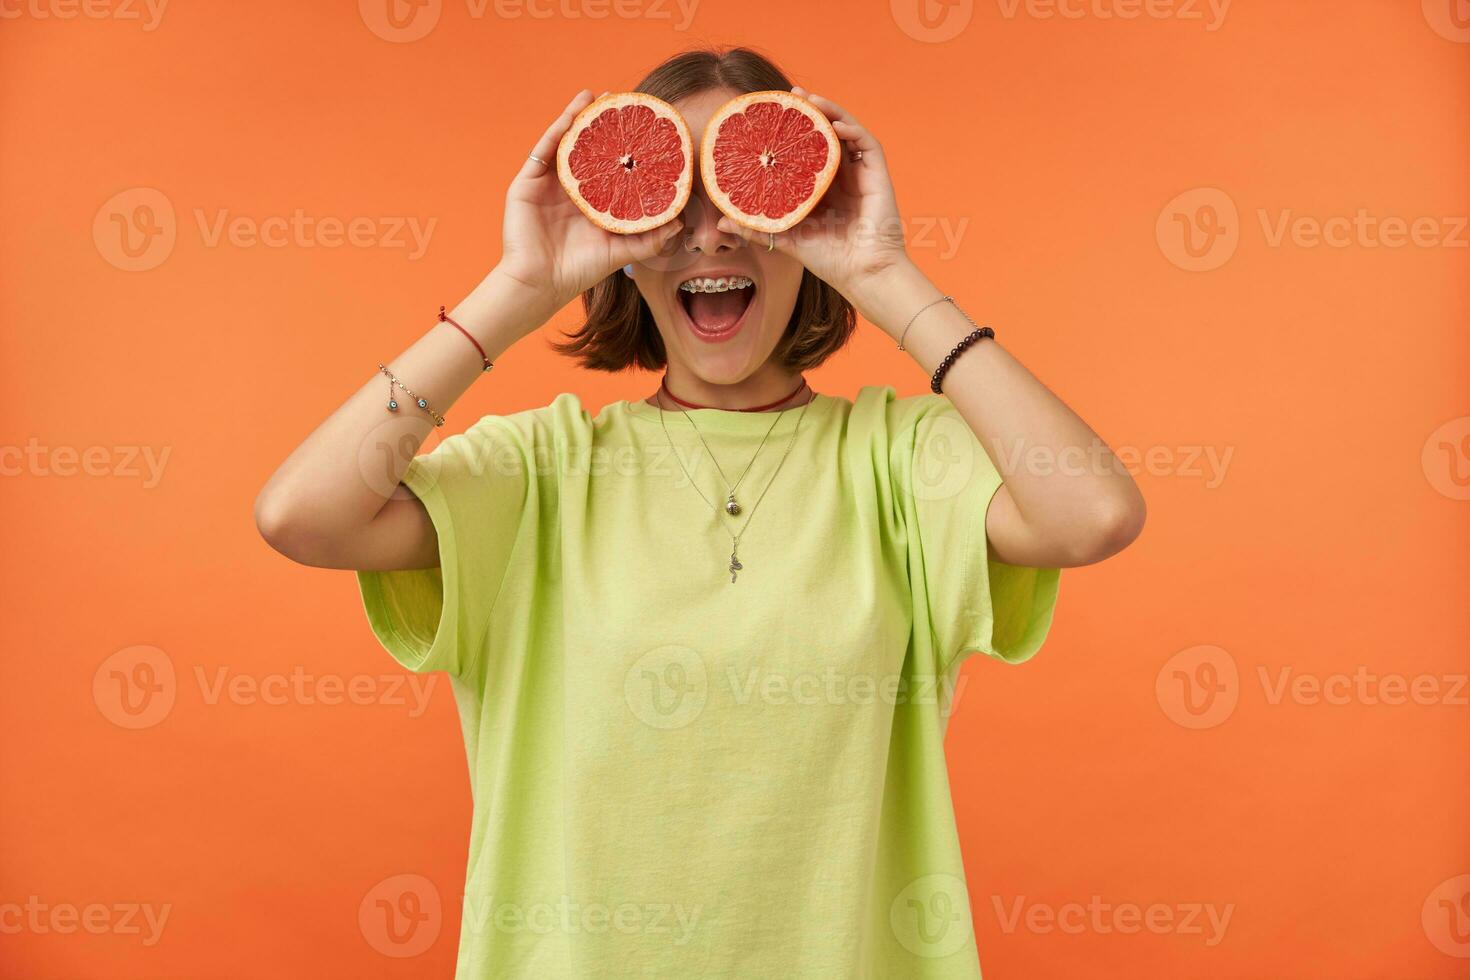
[{"x": 718, "y": 336}]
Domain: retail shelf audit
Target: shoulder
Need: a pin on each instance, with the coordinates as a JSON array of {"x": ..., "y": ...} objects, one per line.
[
  {"x": 882, "y": 410},
  {"x": 564, "y": 416}
]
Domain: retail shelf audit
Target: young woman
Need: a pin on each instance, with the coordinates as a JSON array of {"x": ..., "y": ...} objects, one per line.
[{"x": 701, "y": 642}]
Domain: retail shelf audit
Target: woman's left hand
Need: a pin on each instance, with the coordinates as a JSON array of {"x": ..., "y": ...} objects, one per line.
[{"x": 854, "y": 233}]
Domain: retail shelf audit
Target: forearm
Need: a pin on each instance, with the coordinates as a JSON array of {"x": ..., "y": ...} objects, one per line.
[
  {"x": 1067, "y": 499},
  {"x": 337, "y": 480}
]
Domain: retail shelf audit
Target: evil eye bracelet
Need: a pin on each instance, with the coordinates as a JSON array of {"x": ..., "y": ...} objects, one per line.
[{"x": 420, "y": 402}]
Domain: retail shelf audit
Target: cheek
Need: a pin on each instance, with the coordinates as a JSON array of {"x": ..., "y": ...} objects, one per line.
[{"x": 782, "y": 280}]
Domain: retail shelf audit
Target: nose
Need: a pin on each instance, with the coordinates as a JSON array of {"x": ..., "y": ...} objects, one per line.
[{"x": 701, "y": 233}]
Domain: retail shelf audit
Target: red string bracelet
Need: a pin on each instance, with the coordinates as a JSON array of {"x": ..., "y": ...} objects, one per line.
[{"x": 444, "y": 318}]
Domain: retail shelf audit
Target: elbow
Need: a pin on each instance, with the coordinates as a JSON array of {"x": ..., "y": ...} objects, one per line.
[
  {"x": 1115, "y": 524},
  {"x": 279, "y": 528},
  {"x": 272, "y": 521}
]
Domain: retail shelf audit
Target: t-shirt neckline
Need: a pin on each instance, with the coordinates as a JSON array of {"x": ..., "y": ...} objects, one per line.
[{"x": 727, "y": 420}]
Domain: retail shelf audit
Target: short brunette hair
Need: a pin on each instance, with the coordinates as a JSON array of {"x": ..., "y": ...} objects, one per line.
[{"x": 619, "y": 331}]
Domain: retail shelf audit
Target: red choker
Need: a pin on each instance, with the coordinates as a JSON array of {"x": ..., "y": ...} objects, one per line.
[{"x": 664, "y": 387}]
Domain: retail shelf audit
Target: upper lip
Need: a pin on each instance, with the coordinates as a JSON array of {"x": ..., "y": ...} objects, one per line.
[{"x": 724, "y": 273}]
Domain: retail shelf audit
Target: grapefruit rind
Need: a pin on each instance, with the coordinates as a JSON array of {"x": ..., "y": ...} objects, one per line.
[
  {"x": 683, "y": 187},
  {"x": 823, "y": 177}
]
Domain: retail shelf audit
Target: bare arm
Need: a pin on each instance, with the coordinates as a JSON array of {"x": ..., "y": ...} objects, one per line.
[
  {"x": 1080, "y": 505},
  {"x": 1066, "y": 500},
  {"x": 319, "y": 508}
]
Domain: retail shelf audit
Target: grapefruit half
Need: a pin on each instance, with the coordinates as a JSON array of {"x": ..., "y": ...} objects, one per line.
[
  {"x": 628, "y": 162},
  {"x": 767, "y": 158}
]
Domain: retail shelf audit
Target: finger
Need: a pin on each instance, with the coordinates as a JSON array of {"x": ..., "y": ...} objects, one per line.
[
  {"x": 546, "y": 146},
  {"x": 636, "y": 248},
  {"x": 849, "y": 130}
]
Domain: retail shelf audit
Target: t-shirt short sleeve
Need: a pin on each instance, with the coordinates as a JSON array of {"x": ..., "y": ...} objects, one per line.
[
  {"x": 474, "y": 486},
  {"x": 945, "y": 482}
]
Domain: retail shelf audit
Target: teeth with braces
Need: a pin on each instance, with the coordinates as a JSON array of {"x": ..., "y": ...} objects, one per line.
[{"x": 706, "y": 285}]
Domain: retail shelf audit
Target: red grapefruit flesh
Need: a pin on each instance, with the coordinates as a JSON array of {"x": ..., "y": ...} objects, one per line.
[
  {"x": 628, "y": 162},
  {"x": 767, "y": 158}
]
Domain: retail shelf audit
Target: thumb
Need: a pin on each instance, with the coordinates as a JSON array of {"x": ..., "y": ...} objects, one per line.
[
  {"x": 649, "y": 243},
  {"x": 777, "y": 242}
]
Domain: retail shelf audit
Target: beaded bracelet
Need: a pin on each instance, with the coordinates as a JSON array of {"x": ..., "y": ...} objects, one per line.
[
  {"x": 949, "y": 358},
  {"x": 421, "y": 402}
]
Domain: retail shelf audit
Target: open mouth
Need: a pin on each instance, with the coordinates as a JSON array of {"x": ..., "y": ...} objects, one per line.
[{"x": 716, "y": 306}]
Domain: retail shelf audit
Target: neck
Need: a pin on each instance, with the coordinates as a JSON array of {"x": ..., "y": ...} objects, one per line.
[{"x": 784, "y": 388}]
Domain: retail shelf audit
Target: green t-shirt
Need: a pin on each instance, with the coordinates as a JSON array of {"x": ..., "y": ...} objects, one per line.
[{"x": 679, "y": 776}]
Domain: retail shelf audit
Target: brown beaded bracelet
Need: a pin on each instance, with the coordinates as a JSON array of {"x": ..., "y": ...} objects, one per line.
[{"x": 959, "y": 348}]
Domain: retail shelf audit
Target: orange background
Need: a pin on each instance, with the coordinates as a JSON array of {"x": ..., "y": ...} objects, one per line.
[{"x": 1053, "y": 148}]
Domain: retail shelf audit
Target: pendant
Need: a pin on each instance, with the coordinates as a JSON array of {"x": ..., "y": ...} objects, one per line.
[
  {"x": 731, "y": 507},
  {"x": 735, "y": 565}
]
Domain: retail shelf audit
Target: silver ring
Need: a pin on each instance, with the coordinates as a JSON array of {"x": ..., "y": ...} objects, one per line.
[
  {"x": 538, "y": 159},
  {"x": 855, "y": 156},
  {"x": 770, "y": 241}
]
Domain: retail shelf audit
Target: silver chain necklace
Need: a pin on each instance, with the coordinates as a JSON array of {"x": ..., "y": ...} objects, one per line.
[{"x": 731, "y": 507}]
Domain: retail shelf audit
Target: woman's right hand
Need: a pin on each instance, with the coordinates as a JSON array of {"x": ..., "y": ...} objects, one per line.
[{"x": 548, "y": 244}]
